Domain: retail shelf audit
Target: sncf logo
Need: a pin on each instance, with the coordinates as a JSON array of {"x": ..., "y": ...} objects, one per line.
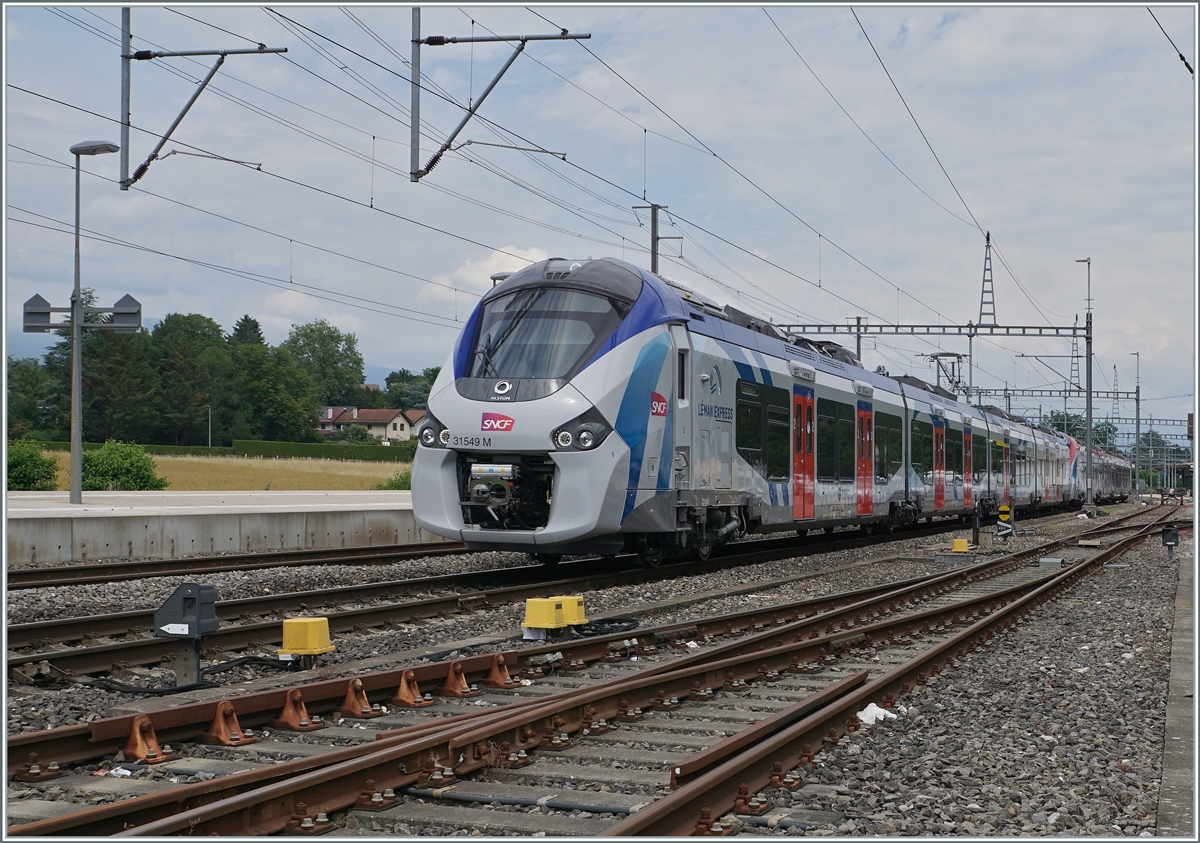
[
  {"x": 658, "y": 405},
  {"x": 496, "y": 421}
]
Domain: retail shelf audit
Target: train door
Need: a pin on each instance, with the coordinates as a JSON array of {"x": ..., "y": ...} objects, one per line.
[
  {"x": 803, "y": 487},
  {"x": 939, "y": 463},
  {"x": 864, "y": 471},
  {"x": 967, "y": 466},
  {"x": 1007, "y": 469}
]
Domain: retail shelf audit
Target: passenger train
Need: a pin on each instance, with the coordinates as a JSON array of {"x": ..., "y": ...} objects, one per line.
[{"x": 592, "y": 407}]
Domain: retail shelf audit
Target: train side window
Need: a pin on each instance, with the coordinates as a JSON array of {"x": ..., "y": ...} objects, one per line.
[
  {"x": 845, "y": 446},
  {"x": 777, "y": 443},
  {"x": 826, "y": 447},
  {"x": 808, "y": 417},
  {"x": 749, "y": 425},
  {"x": 895, "y": 450}
]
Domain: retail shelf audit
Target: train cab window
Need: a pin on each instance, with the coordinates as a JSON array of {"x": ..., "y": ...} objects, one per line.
[
  {"x": 681, "y": 364},
  {"x": 542, "y": 332}
]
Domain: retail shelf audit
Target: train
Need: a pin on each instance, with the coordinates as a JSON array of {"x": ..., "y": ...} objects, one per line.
[{"x": 592, "y": 407}]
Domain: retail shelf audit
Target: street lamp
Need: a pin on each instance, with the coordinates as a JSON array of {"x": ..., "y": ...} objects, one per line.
[
  {"x": 85, "y": 148},
  {"x": 1088, "y": 355}
]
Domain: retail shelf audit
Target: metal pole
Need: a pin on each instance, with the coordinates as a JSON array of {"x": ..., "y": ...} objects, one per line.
[
  {"x": 210, "y": 425},
  {"x": 76, "y": 495},
  {"x": 858, "y": 342},
  {"x": 414, "y": 145},
  {"x": 1137, "y": 425},
  {"x": 125, "y": 80},
  {"x": 1089, "y": 396},
  {"x": 654, "y": 238}
]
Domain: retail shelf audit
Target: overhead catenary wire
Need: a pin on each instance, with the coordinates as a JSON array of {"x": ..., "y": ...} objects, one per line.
[{"x": 1176, "y": 49}]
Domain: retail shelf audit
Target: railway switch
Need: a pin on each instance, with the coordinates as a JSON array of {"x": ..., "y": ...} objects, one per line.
[{"x": 189, "y": 614}]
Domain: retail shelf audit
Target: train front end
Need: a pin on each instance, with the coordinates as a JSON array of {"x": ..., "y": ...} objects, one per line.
[{"x": 527, "y": 444}]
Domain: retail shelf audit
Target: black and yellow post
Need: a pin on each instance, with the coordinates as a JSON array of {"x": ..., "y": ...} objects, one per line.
[{"x": 1004, "y": 524}]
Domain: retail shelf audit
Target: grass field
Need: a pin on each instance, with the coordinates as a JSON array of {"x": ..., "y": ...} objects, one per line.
[{"x": 234, "y": 474}]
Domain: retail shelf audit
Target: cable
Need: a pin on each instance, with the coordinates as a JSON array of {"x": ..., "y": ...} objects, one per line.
[{"x": 1164, "y": 32}]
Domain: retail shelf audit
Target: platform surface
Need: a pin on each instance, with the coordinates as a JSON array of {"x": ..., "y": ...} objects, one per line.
[{"x": 96, "y": 504}]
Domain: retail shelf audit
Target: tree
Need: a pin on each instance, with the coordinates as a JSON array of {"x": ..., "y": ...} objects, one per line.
[
  {"x": 186, "y": 384},
  {"x": 27, "y": 381},
  {"x": 247, "y": 331},
  {"x": 276, "y": 399},
  {"x": 121, "y": 395},
  {"x": 354, "y": 434},
  {"x": 409, "y": 391},
  {"x": 330, "y": 358}
]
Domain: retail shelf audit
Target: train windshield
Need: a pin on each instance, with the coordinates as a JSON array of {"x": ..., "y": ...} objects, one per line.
[{"x": 542, "y": 332}]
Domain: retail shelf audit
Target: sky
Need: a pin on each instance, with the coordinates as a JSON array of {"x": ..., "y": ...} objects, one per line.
[{"x": 814, "y": 166}]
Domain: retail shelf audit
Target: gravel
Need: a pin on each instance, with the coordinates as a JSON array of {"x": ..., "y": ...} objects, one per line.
[{"x": 1056, "y": 729}]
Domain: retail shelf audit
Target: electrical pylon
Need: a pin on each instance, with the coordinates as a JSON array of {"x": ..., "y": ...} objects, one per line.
[{"x": 987, "y": 298}]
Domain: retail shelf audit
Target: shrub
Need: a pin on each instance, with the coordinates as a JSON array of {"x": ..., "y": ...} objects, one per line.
[
  {"x": 120, "y": 467},
  {"x": 401, "y": 481},
  {"x": 30, "y": 470}
]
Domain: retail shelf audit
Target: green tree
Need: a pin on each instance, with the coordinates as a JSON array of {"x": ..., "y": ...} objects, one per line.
[
  {"x": 276, "y": 399},
  {"x": 410, "y": 391},
  {"x": 30, "y": 470},
  {"x": 121, "y": 395},
  {"x": 120, "y": 467},
  {"x": 247, "y": 331},
  {"x": 354, "y": 434},
  {"x": 27, "y": 380},
  {"x": 186, "y": 382},
  {"x": 330, "y": 358}
]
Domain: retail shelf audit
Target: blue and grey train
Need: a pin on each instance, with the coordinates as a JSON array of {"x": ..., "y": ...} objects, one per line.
[{"x": 592, "y": 407}]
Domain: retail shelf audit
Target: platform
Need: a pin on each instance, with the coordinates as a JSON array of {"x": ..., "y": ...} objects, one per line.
[{"x": 42, "y": 527}]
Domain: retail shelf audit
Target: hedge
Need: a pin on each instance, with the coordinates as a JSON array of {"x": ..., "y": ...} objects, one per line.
[
  {"x": 161, "y": 450},
  {"x": 402, "y": 451}
]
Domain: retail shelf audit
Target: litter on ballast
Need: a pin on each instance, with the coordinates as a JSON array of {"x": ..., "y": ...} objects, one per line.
[{"x": 872, "y": 714}]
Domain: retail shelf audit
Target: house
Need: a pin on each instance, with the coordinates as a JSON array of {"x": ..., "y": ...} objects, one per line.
[{"x": 389, "y": 425}]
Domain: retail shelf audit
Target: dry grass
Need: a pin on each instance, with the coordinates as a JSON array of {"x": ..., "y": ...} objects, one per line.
[{"x": 235, "y": 474}]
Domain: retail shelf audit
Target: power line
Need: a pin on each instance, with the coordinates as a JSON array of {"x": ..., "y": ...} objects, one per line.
[{"x": 1164, "y": 32}]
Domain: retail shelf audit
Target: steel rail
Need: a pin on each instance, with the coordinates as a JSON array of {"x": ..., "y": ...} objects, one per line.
[
  {"x": 184, "y": 722},
  {"x": 100, "y": 657},
  {"x": 102, "y": 572},
  {"x": 329, "y": 788},
  {"x": 713, "y": 792},
  {"x": 143, "y": 651}
]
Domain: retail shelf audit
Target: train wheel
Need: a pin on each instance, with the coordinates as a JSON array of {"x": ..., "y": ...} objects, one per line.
[{"x": 548, "y": 559}]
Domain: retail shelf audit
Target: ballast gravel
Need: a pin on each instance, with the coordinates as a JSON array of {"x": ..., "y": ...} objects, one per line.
[{"x": 1056, "y": 729}]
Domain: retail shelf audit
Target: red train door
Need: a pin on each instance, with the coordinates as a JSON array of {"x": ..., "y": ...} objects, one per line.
[
  {"x": 803, "y": 488},
  {"x": 967, "y": 472},
  {"x": 939, "y": 464},
  {"x": 864, "y": 471}
]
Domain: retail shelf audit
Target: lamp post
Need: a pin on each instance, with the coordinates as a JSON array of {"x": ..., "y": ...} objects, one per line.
[
  {"x": 1137, "y": 427},
  {"x": 1088, "y": 355},
  {"x": 85, "y": 148},
  {"x": 210, "y": 425}
]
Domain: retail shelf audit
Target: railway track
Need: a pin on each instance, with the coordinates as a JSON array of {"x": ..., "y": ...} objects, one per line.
[
  {"x": 97, "y": 572},
  {"x": 796, "y": 671},
  {"x": 94, "y": 650}
]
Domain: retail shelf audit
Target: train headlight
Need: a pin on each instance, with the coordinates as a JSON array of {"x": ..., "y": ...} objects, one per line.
[
  {"x": 583, "y": 433},
  {"x": 432, "y": 434}
]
